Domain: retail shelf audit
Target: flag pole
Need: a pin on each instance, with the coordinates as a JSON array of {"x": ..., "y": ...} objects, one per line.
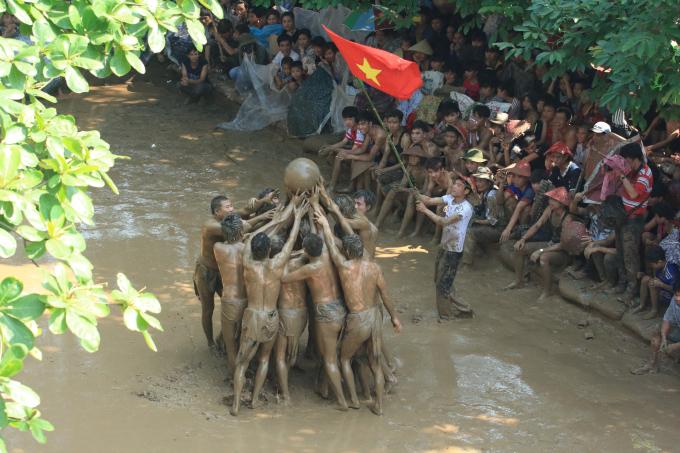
[{"x": 387, "y": 133}]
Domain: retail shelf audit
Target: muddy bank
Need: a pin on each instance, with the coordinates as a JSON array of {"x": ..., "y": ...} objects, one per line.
[{"x": 519, "y": 377}]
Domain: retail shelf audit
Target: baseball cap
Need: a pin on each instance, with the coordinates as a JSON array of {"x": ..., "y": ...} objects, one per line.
[{"x": 601, "y": 128}]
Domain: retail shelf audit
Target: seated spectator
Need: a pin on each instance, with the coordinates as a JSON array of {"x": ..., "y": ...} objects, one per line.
[
  {"x": 666, "y": 341},
  {"x": 488, "y": 86},
  {"x": 398, "y": 193},
  {"x": 436, "y": 185},
  {"x": 489, "y": 218},
  {"x": 421, "y": 53},
  {"x": 303, "y": 47},
  {"x": 298, "y": 75},
  {"x": 599, "y": 248},
  {"x": 194, "y": 81},
  {"x": 560, "y": 125},
  {"x": 549, "y": 253},
  {"x": 420, "y": 135},
  {"x": 659, "y": 225},
  {"x": 247, "y": 47},
  {"x": 505, "y": 93},
  {"x": 224, "y": 45},
  {"x": 659, "y": 286},
  {"x": 499, "y": 143},
  {"x": 454, "y": 147},
  {"x": 288, "y": 23},
  {"x": 256, "y": 17},
  {"x": 389, "y": 170},
  {"x": 283, "y": 75},
  {"x": 285, "y": 50},
  {"x": 470, "y": 81},
  {"x": 582, "y": 138},
  {"x": 472, "y": 160},
  {"x": 544, "y": 126},
  {"x": 518, "y": 197},
  {"x": 480, "y": 128},
  {"x": 353, "y": 139},
  {"x": 450, "y": 82},
  {"x": 365, "y": 157},
  {"x": 450, "y": 116},
  {"x": 563, "y": 172},
  {"x": 529, "y": 112}
]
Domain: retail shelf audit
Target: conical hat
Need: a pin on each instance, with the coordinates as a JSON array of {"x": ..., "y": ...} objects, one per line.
[{"x": 422, "y": 47}]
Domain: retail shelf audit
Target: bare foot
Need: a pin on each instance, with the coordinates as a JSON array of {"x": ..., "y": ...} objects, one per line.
[
  {"x": 234, "y": 411},
  {"x": 638, "y": 309},
  {"x": 342, "y": 407},
  {"x": 650, "y": 315},
  {"x": 514, "y": 285},
  {"x": 376, "y": 409},
  {"x": 354, "y": 404},
  {"x": 544, "y": 295},
  {"x": 254, "y": 404},
  {"x": 644, "y": 369},
  {"x": 285, "y": 401},
  {"x": 367, "y": 401}
]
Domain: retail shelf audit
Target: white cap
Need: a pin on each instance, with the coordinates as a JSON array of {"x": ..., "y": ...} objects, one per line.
[{"x": 601, "y": 128}]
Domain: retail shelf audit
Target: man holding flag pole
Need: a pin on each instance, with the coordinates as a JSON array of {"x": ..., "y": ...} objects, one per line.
[{"x": 400, "y": 78}]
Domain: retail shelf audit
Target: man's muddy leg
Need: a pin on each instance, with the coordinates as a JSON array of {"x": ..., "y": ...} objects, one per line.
[
  {"x": 350, "y": 344},
  {"x": 337, "y": 166},
  {"x": 327, "y": 333},
  {"x": 374, "y": 363},
  {"x": 229, "y": 334},
  {"x": 246, "y": 352},
  {"x": 408, "y": 215},
  {"x": 263, "y": 355},
  {"x": 282, "y": 367},
  {"x": 207, "y": 298},
  {"x": 654, "y": 299},
  {"x": 386, "y": 208},
  {"x": 644, "y": 294},
  {"x": 365, "y": 376}
]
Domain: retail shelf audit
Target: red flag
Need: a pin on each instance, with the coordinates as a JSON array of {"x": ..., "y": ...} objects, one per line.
[{"x": 378, "y": 68}]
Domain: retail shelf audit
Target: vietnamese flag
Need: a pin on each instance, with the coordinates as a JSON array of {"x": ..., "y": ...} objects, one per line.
[{"x": 380, "y": 69}]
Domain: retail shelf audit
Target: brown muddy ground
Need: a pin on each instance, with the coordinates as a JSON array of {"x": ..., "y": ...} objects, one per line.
[{"x": 518, "y": 377}]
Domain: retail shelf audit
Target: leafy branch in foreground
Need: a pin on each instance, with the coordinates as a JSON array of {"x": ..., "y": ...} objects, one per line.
[{"x": 47, "y": 167}]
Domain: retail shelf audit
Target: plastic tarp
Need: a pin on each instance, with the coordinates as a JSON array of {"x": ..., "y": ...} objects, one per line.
[{"x": 318, "y": 102}]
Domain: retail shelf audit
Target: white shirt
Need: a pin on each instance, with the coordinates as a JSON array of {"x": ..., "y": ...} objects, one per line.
[
  {"x": 453, "y": 234},
  {"x": 279, "y": 56}
]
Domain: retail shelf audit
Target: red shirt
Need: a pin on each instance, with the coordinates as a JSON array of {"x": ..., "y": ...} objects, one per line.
[
  {"x": 471, "y": 89},
  {"x": 643, "y": 183}
]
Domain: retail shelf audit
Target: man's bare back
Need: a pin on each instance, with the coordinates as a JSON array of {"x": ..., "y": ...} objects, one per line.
[{"x": 229, "y": 259}]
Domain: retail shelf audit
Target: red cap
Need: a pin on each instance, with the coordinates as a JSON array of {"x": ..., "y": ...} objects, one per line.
[
  {"x": 560, "y": 194},
  {"x": 521, "y": 169},
  {"x": 559, "y": 148}
]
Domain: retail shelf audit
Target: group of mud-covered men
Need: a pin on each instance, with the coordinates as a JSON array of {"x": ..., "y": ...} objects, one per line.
[{"x": 277, "y": 265}]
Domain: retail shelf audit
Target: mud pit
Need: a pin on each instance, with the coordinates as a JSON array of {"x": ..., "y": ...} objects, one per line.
[{"x": 518, "y": 377}]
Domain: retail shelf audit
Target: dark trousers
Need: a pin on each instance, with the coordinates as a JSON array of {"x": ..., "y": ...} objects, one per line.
[
  {"x": 446, "y": 266},
  {"x": 195, "y": 91},
  {"x": 628, "y": 239}
]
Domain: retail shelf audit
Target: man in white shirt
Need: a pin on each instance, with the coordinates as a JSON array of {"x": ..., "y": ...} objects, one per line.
[
  {"x": 285, "y": 44},
  {"x": 457, "y": 214}
]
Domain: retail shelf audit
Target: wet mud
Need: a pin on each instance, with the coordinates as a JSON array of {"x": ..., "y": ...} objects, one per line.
[{"x": 520, "y": 376}]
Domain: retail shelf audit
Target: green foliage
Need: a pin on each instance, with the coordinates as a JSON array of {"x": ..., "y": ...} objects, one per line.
[{"x": 47, "y": 167}]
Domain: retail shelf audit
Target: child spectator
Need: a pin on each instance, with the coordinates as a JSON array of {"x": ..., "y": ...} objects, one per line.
[
  {"x": 487, "y": 89},
  {"x": 480, "y": 127},
  {"x": 273, "y": 17},
  {"x": 470, "y": 81},
  {"x": 303, "y": 47},
  {"x": 353, "y": 139},
  {"x": 297, "y": 73},
  {"x": 582, "y": 137},
  {"x": 389, "y": 171},
  {"x": 454, "y": 147},
  {"x": 658, "y": 289},
  {"x": 563, "y": 172},
  {"x": 283, "y": 75},
  {"x": 420, "y": 136}
]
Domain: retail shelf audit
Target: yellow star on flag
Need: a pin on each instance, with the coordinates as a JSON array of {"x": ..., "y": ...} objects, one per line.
[{"x": 370, "y": 72}]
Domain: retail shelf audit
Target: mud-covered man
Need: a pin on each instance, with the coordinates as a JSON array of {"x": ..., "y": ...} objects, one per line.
[{"x": 361, "y": 279}]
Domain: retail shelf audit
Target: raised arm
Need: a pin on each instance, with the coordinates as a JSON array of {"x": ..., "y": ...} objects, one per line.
[
  {"x": 335, "y": 210},
  {"x": 438, "y": 220},
  {"x": 336, "y": 256},
  {"x": 282, "y": 258}
]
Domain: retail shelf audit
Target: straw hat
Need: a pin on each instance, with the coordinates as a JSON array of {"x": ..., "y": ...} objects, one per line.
[
  {"x": 520, "y": 169},
  {"x": 560, "y": 195},
  {"x": 474, "y": 155},
  {"x": 483, "y": 173},
  {"x": 415, "y": 150},
  {"x": 559, "y": 148},
  {"x": 501, "y": 118},
  {"x": 422, "y": 47}
]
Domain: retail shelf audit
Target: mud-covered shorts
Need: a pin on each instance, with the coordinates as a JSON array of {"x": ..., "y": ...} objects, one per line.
[
  {"x": 206, "y": 279},
  {"x": 366, "y": 324},
  {"x": 292, "y": 322},
  {"x": 259, "y": 326},
  {"x": 232, "y": 310},
  {"x": 330, "y": 312}
]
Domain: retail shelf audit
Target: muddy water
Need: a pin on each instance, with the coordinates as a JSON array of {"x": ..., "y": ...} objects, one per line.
[{"x": 518, "y": 377}]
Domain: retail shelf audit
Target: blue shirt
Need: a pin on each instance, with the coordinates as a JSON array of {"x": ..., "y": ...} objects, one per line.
[{"x": 668, "y": 275}]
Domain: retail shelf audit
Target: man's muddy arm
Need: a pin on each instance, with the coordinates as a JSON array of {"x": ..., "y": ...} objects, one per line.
[
  {"x": 212, "y": 229},
  {"x": 387, "y": 301},
  {"x": 249, "y": 224},
  {"x": 299, "y": 274},
  {"x": 282, "y": 258},
  {"x": 336, "y": 256}
]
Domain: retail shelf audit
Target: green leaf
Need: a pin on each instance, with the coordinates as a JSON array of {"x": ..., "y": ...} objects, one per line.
[
  {"x": 57, "y": 322},
  {"x": 30, "y": 234},
  {"x": 10, "y": 289},
  {"x": 35, "y": 250},
  {"x": 10, "y": 158},
  {"x": 156, "y": 40},
  {"x": 82, "y": 205},
  {"x": 119, "y": 64},
  {"x": 27, "y": 308},
  {"x": 15, "y": 331},
  {"x": 12, "y": 362},
  {"x": 214, "y": 6},
  {"x": 81, "y": 266},
  {"x": 21, "y": 393},
  {"x": 75, "y": 80},
  {"x": 42, "y": 31},
  {"x": 130, "y": 319},
  {"x": 58, "y": 249},
  {"x": 149, "y": 341},
  {"x": 18, "y": 11},
  {"x": 8, "y": 245},
  {"x": 15, "y": 134},
  {"x": 152, "y": 321},
  {"x": 190, "y": 9},
  {"x": 3, "y": 422},
  {"x": 135, "y": 62},
  {"x": 197, "y": 32},
  {"x": 84, "y": 329},
  {"x": 74, "y": 17}
]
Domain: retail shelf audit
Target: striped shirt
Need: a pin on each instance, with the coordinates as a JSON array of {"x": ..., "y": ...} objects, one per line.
[
  {"x": 354, "y": 136},
  {"x": 643, "y": 183}
]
